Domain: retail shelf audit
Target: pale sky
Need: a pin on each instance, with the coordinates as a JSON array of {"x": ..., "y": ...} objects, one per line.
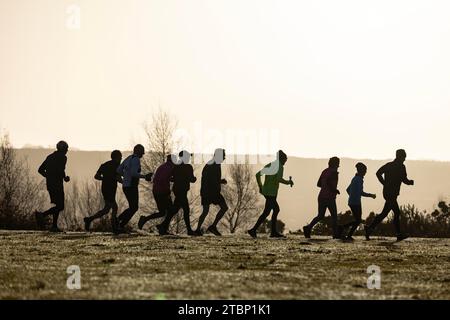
[{"x": 351, "y": 78}]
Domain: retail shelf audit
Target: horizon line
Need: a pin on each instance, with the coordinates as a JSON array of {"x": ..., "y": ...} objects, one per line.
[{"x": 75, "y": 149}]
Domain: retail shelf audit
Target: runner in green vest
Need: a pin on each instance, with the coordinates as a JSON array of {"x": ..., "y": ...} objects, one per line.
[{"x": 273, "y": 176}]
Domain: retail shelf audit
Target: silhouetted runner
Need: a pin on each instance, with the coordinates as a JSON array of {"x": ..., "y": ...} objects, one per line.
[
  {"x": 53, "y": 170},
  {"x": 183, "y": 176},
  {"x": 273, "y": 176},
  {"x": 391, "y": 176},
  {"x": 107, "y": 174},
  {"x": 161, "y": 193},
  {"x": 130, "y": 170},
  {"x": 355, "y": 191},
  {"x": 327, "y": 183},
  {"x": 210, "y": 191}
]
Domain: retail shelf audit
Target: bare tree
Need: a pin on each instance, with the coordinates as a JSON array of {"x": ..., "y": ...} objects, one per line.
[
  {"x": 19, "y": 191},
  {"x": 161, "y": 142},
  {"x": 241, "y": 194},
  {"x": 91, "y": 198},
  {"x": 159, "y": 132}
]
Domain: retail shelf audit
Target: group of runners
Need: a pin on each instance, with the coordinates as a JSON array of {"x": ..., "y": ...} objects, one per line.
[{"x": 178, "y": 172}]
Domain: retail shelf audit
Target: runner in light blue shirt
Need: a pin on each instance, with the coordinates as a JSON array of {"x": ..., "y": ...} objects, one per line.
[
  {"x": 355, "y": 191},
  {"x": 130, "y": 170}
]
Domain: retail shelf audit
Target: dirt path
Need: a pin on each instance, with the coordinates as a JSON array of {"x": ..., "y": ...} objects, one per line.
[{"x": 142, "y": 266}]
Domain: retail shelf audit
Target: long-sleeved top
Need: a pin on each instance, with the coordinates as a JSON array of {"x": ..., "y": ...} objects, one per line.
[
  {"x": 53, "y": 168},
  {"x": 162, "y": 177},
  {"x": 327, "y": 183},
  {"x": 394, "y": 175},
  {"x": 130, "y": 170},
  {"x": 356, "y": 190},
  {"x": 108, "y": 175},
  {"x": 273, "y": 175},
  {"x": 183, "y": 176},
  {"x": 211, "y": 180}
]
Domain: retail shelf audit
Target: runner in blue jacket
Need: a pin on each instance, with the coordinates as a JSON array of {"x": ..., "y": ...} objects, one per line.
[{"x": 355, "y": 191}]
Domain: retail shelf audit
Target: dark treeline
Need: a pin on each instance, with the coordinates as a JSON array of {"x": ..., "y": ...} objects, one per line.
[{"x": 415, "y": 222}]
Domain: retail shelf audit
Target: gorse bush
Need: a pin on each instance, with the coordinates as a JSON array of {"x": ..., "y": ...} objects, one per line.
[{"x": 414, "y": 222}]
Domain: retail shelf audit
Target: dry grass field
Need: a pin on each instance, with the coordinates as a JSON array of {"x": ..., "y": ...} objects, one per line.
[{"x": 34, "y": 265}]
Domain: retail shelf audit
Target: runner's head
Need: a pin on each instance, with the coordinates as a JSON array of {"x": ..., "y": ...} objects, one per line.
[
  {"x": 282, "y": 157},
  {"x": 400, "y": 155},
  {"x": 139, "y": 150},
  {"x": 172, "y": 158},
  {"x": 219, "y": 155},
  {"x": 116, "y": 155},
  {"x": 185, "y": 156},
  {"x": 361, "y": 169},
  {"x": 62, "y": 147},
  {"x": 334, "y": 162}
]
